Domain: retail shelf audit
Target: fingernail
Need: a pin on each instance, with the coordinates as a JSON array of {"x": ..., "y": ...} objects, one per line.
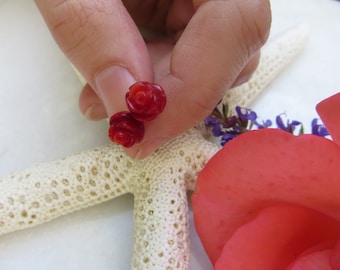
[
  {"x": 111, "y": 86},
  {"x": 96, "y": 112},
  {"x": 241, "y": 80}
]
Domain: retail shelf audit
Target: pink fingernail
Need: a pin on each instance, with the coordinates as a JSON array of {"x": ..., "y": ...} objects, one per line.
[{"x": 111, "y": 85}]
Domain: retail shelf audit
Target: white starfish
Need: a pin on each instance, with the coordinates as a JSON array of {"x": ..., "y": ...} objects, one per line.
[{"x": 159, "y": 183}]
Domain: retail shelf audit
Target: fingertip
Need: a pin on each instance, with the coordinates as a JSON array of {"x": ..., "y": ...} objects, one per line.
[
  {"x": 95, "y": 112},
  {"x": 111, "y": 84},
  {"x": 248, "y": 70},
  {"x": 145, "y": 148},
  {"x": 90, "y": 105}
]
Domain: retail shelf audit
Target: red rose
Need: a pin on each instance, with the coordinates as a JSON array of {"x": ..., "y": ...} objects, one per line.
[{"x": 270, "y": 200}]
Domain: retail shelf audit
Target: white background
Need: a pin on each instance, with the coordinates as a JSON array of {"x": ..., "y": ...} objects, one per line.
[{"x": 40, "y": 121}]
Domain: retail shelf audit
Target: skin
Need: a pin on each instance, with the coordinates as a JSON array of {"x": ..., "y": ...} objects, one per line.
[{"x": 202, "y": 48}]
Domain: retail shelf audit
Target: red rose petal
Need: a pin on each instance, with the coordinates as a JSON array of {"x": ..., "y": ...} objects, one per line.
[
  {"x": 275, "y": 238},
  {"x": 260, "y": 168},
  {"x": 329, "y": 111},
  {"x": 335, "y": 257},
  {"x": 314, "y": 261}
]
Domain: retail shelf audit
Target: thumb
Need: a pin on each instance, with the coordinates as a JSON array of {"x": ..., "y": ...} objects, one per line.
[{"x": 103, "y": 43}]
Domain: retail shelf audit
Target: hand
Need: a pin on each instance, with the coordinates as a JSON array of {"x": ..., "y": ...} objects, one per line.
[{"x": 204, "y": 48}]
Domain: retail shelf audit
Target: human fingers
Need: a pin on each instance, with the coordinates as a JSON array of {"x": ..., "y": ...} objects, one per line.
[
  {"x": 248, "y": 70},
  {"x": 218, "y": 42},
  {"x": 103, "y": 43},
  {"x": 93, "y": 108}
]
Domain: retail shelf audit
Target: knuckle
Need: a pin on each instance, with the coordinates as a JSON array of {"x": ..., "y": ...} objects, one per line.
[{"x": 71, "y": 22}]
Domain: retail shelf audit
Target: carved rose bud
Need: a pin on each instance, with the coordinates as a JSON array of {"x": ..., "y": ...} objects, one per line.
[
  {"x": 125, "y": 130},
  {"x": 145, "y": 100}
]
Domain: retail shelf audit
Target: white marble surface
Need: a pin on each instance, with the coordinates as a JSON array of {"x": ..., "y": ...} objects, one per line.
[{"x": 40, "y": 121}]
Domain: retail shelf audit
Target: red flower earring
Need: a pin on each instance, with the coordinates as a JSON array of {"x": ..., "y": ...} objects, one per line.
[
  {"x": 145, "y": 101},
  {"x": 125, "y": 130}
]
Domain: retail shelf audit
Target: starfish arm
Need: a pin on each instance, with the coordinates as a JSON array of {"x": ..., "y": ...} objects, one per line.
[
  {"x": 161, "y": 228},
  {"x": 49, "y": 190},
  {"x": 275, "y": 56},
  {"x": 161, "y": 225}
]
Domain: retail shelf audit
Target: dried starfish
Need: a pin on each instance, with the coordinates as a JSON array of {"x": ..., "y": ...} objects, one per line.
[{"x": 159, "y": 183}]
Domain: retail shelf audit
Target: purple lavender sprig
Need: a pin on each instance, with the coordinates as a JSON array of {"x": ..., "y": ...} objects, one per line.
[
  {"x": 318, "y": 128},
  {"x": 227, "y": 127},
  {"x": 294, "y": 127}
]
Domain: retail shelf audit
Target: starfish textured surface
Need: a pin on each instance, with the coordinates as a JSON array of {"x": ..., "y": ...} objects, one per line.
[{"x": 159, "y": 183}]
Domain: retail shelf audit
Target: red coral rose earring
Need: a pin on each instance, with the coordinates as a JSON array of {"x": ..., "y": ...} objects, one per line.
[
  {"x": 125, "y": 130},
  {"x": 145, "y": 101}
]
